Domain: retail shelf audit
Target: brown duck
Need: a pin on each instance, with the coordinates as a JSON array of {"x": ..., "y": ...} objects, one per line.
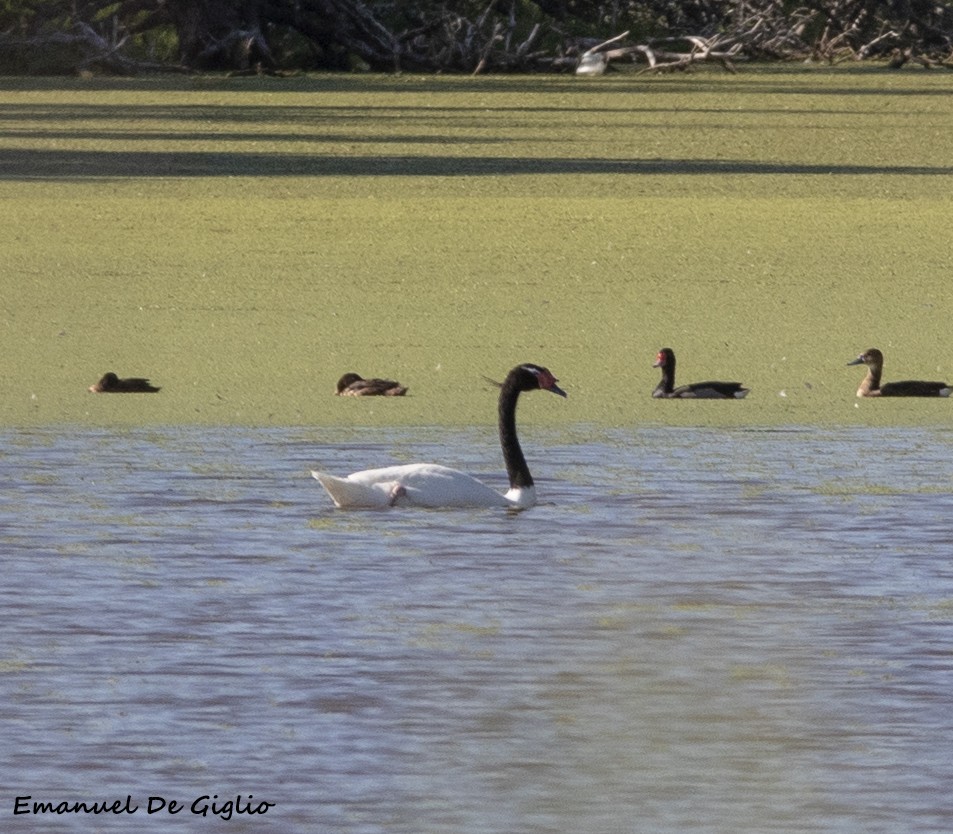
[
  {"x": 112, "y": 384},
  {"x": 695, "y": 391},
  {"x": 871, "y": 387},
  {"x": 352, "y": 385}
]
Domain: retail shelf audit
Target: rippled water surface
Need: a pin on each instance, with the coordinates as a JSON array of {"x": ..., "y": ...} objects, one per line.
[{"x": 695, "y": 631}]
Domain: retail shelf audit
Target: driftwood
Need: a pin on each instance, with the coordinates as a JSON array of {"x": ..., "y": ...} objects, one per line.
[
  {"x": 596, "y": 59},
  {"x": 701, "y": 49}
]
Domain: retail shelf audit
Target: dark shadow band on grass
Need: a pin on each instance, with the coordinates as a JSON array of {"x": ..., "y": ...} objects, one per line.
[{"x": 83, "y": 165}]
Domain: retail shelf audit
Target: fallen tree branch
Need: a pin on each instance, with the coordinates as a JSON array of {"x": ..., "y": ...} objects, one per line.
[{"x": 596, "y": 60}]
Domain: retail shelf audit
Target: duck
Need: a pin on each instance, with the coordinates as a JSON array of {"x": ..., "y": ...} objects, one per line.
[
  {"x": 871, "y": 387},
  {"x": 697, "y": 390},
  {"x": 433, "y": 485},
  {"x": 353, "y": 385},
  {"x": 112, "y": 384}
]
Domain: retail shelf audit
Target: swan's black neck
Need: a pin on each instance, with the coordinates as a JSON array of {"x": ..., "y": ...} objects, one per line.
[{"x": 516, "y": 467}]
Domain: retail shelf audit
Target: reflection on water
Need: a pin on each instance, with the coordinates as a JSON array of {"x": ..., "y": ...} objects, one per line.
[{"x": 697, "y": 630}]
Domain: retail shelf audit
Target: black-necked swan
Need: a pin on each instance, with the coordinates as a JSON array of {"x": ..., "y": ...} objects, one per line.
[
  {"x": 695, "y": 391},
  {"x": 353, "y": 385},
  {"x": 871, "y": 387},
  {"x": 432, "y": 485}
]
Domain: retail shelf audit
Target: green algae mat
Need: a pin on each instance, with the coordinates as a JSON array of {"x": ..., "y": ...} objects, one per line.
[{"x": 244, "y": 242}]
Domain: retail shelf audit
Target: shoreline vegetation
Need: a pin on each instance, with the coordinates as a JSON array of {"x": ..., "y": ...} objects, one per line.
[
  {"x": 281, "y": 37},
  {"x": 243, "y": 242}
]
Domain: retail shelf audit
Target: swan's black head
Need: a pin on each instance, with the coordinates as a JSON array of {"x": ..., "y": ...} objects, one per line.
[
  {"x": 529, "y": 377},
  {"x": 664, "y": 359}
]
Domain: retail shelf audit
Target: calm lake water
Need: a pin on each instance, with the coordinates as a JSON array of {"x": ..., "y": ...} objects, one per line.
[{"x": 695, "y": 631}]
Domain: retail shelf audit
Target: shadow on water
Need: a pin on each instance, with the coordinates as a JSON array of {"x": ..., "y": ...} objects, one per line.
[
  {"x": 758, "y": 80},
  {"x": 448, "y": 111},
  {"x": 73, "y": 164},
  {"x": 320, "y": 114}
]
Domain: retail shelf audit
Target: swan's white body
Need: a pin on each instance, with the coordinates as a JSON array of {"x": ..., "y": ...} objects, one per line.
[
  {"x": 420, "y": 485},
  {"x": 432, "y": 485}
]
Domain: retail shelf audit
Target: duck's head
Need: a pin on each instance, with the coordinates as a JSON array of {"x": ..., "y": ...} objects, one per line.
[
  {"x": 871, "y": 358},
  {"x": 108, "y": 381},
  {"x": 664, "y": 359},
  {"x": 345, "y": 381}
]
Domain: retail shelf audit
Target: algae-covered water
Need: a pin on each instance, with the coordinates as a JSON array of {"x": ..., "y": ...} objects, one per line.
[{"x": 244, "y": 242}]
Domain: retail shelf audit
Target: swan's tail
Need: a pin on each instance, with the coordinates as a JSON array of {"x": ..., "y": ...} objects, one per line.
[{"x": 347, "y": 493}]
